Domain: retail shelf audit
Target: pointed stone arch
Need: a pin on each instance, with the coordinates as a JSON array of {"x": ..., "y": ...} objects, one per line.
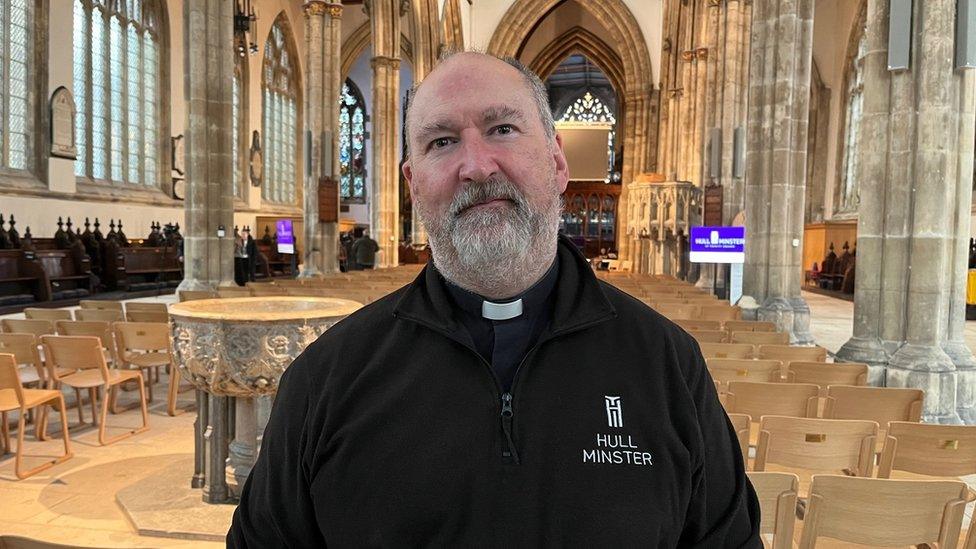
[
  {"x": 638, "y": 93},
  {"x": 357, "y": 42},
  {"x": 452, "y": 34}
]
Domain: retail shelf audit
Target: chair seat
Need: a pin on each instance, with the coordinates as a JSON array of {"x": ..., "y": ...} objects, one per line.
[
  {"x": 147, "y": 360},
  {"x": 93, "y": 378},
  {"x": 32, "y": 398}
]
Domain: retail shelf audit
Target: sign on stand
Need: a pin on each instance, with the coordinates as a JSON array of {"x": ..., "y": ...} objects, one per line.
[
  {"x": 286, "y": 236},
  {"x": 718, "y": 244}
]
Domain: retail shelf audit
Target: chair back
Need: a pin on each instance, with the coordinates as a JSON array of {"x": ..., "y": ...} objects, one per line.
[
  {"x": 24, "y": 326},
  {"x": 777, "y": 494},
  {"x": 97, "y": 328},
  {"x": 678, "y": 310},
  {"x": 727, "y": 350},
  {"x": 695, "y": 324},
  {"x": 146, "y": 306},
  {"x": 885, "y": 512},
  {"x": 726, "y": 370},
  {"x": 742, "y": 425},
  {"x": 142, "y": 336},
  {"x": 709, "y": 336},
  {"x": 233, "y": 292},
  {"x": 74, "y": 352},
  {"x": 23, "y": 347},
  {"x": 38, "y": 313},
  {"x": 720, "y": 312},
  {"x": 788, "y": 353},
  {"x": 147, "y": 316},
  {"x": 749, "y": 326},
  {"x": 825, "y": 445},
  {"x": 825, "y": 374},
  {"x": 929, "y": 449},
  {"x": 881, "y": 404},
  {"x": 192, "y": 295},
  {"x": 761, "y": 338},
  {"x": 10, "y": 378},
  {"x": 100, "y": 315},
  {"x": 102, "y": 304},
  {"x": 759, "y": 399}
]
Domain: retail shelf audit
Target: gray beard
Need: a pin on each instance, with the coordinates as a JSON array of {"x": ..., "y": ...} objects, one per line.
[{"x": 496, "y": 252}]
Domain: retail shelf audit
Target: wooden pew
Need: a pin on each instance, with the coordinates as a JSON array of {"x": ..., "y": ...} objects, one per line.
[
  {"x": 278, "y": 264},
  {"x": 21, "y": 278},
  {"x": 150, "y": 267},
  {"x": 67, "y": 274}
]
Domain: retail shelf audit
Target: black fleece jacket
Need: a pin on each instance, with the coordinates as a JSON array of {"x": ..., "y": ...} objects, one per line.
[{"x": 391, "y": 431}]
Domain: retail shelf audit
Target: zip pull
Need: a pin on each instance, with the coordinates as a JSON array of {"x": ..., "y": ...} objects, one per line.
[{"x": 507, "y": 414}]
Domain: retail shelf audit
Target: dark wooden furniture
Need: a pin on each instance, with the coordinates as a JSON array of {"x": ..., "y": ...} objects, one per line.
[
  {"x": 21, "y": 278},
  {"x": 146, "y": 268},
  {"x": 278, "y": 264},
  {"x": 67, "y": 274},
  {"x": 590, "y": 215}
]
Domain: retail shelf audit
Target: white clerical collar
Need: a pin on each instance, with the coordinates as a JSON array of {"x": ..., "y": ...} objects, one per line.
[{"x": 501, "y": 311}]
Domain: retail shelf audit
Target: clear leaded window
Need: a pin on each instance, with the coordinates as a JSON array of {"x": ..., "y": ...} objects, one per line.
[
  {"x": 239, "y": 126},
  {"x": 116, "y": 87},
  {"x": 280, "y": 116},
  {"x": 352, "y": 144},
  {"x": 588, "y": 109},
  {"x": 16, "y": 121},
  {"x": 849, "y": 199}
]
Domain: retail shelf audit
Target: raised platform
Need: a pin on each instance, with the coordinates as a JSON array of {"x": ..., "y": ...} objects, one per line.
[{"x": 163, "y": 505}]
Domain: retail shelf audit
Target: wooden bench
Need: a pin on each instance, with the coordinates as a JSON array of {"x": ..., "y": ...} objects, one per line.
[
  {"x": 278, "y": 264},
  {"x": 67, "y": 275},
  {"x": 151, "y": 267},
  {"x": 21, "y": 278}
]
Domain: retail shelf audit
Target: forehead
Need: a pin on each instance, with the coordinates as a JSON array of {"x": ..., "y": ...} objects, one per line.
[{"x": 465, "y": 84}]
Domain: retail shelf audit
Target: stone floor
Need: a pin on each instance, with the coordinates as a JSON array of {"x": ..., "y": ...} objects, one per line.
[{"x": 77, "y": 502}]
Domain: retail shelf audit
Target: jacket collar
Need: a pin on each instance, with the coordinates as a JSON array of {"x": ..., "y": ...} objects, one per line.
[{"x": 579, "y": 300}]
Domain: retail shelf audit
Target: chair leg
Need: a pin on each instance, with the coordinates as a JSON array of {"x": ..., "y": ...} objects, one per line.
[
  {"x": 81, "y": 415},
  {"x": 174, "y": 390},
  {"x": 149, "y": 381},
  {"x": 114, "y": 396},
  {"x": 145, "y": 417},
  {"x": 5, "y": 433},
  {"x": 92, "y": 395},
  {"x": 65, "y": 433},
  {"x": 20, "y": 445}
]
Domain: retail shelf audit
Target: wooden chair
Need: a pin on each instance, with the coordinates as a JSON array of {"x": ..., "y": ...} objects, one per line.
[
  {"x": 38, "y": 313},
  {"x": 749, "y": 326},
  {"x": 13, "y": 396},
  {"x": 825, "y": 374},
  {"x": 102, "y": 304},
  {"x": 23, "y": 347},
  {"x": 788, "y": 353},
  {"x": 193, "y": 295},
  {"x": 84, "y": 353},
  {"x": 678, "y": 310},
  {"x": 881, "y": 404},
  {"x": 761, "y": 338},
  {"x": 719, "y": 312},
  {"x": 928, "y": 449},
  {"x": 146, "y": 306},
  {"x": 812, "y": 445},
  {"x": 757, "y": 399},
  {"x": 742, "y": 426},
  {"x": 694, "y": 324},
  {"x": 726, "y": 370},
  {"x": 99, "y": 315},
  {"x": 777, "y": 493},
  {"x": 146, "y": 346},
  {"x": 147, "y": 316},
  {"x": 727, "y": 350},
  {"x": 233, "y": 292},
  {"x": 23, "y": 326},
  {"x": 884, "y": 512},
  {"x": 709, "y": 336},
  {"x": 98, "y": 328}
]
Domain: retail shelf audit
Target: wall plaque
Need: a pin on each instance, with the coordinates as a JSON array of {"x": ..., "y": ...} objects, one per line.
[
  {"x": 257, "y": 160},
  {"x": 63, "y": 124},
  {"x": 328, "y": 200},
  {"x": 712, "y": 216}
]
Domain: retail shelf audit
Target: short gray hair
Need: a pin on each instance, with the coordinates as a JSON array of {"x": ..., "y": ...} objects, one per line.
[{"x": 538, "y": 89}]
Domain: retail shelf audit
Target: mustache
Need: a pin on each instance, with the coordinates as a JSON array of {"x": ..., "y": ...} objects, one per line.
[{"x": 493, "y": 188}]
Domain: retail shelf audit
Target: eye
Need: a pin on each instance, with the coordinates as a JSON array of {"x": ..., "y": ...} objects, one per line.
[
  {"x": 503, "y": 129},
  {"x": 440, "y": 143}
]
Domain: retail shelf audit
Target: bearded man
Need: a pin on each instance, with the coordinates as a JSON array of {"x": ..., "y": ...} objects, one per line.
[{"x": 506, "y": 397}]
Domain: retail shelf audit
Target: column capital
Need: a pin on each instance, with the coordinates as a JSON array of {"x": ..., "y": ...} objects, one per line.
[
  {"x": 381, "y": 60},
  {"x": 315, "y": 7},
  {"x": 335, "y": 10}
]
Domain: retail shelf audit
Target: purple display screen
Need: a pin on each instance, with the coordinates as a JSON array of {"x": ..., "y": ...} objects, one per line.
[
  {"x": 718, "y": 244},
  {"x": 286, "y": 236}
]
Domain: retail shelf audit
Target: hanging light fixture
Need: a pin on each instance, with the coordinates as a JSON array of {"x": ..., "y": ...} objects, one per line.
[{"x": 245, "y": 26}]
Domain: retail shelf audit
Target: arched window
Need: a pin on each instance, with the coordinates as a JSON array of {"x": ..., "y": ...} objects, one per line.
[
  {"x": 352, "y": 144},
  {"x": 280, "y": 108},
  {"x": 588, "y": 109},
  {"x": 848, "y": 200},
  {"x": 16, "y": 51},
  {"x": 239, "y": 143},
  {"x": 117, "y": 50}
]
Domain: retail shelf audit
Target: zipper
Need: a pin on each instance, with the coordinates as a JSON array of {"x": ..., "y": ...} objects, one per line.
[{"x": 509, "y": 451}]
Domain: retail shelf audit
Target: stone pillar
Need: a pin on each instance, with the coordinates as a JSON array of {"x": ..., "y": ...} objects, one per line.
[
  {"x": 426, "y": 43},
  {"x": 208, "y": 43},
  {"x": 385, "y": 207},
  {"x": 242, "y": 451},
  {"x": 322, "y": 26},
  {"x": 779, "y": 96}
]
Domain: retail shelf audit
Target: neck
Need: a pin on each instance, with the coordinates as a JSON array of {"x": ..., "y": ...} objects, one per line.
[{"x": 516, "y": 284}]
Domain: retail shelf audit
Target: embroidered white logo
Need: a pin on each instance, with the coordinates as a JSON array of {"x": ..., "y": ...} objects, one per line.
[{"x": 615, "y": 415}]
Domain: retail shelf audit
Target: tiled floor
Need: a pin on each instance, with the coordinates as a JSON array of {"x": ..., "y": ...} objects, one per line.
[{"x": 75, "y": 502}]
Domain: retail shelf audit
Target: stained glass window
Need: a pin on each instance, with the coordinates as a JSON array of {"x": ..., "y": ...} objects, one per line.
[
  {"x": 588, "y": 109},
  {"x": 16, "y": 119},
  {"x": 352, "y": 144},
  {"x": 280, "y": 116},
  {"x": 116, "y": 87}
]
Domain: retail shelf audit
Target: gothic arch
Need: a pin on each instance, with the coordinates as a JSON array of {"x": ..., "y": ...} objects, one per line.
[
  {"x": 452, "y": 35},
  {"x": 357, "y": 42},
  {"x": 843, "y": 148},
  {"x": 523, "y": 16},
  {"x": 578, "y": 39}
]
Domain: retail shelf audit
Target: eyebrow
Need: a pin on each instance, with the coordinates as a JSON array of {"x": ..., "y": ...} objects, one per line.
[{"x": 490, "y": 115}]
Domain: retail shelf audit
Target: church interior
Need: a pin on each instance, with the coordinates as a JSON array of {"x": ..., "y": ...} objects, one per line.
[{"x": 184, "y": 182}]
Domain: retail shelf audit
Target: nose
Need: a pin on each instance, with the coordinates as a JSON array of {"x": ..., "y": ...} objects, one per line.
[{"x": 477, "y": 159}]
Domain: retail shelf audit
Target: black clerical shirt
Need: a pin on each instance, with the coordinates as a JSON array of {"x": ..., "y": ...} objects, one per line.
[{"x": 504, "y": 343}]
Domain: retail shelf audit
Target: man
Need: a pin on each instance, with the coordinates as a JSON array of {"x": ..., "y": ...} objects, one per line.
[
  {"x": 364, "y": 250},
  {"x": 250, "y": 255},
  {"x": 506, "y": 397}
]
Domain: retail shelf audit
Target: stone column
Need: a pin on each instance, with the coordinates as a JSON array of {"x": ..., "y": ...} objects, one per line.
[
  {"x": 426, "y": 43},
  {"x": 385, "y": 206},
  {"x": 322, "y": 24},
  {"x": 779, "y": 96},
  {"x": 209, "y": 68}
]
